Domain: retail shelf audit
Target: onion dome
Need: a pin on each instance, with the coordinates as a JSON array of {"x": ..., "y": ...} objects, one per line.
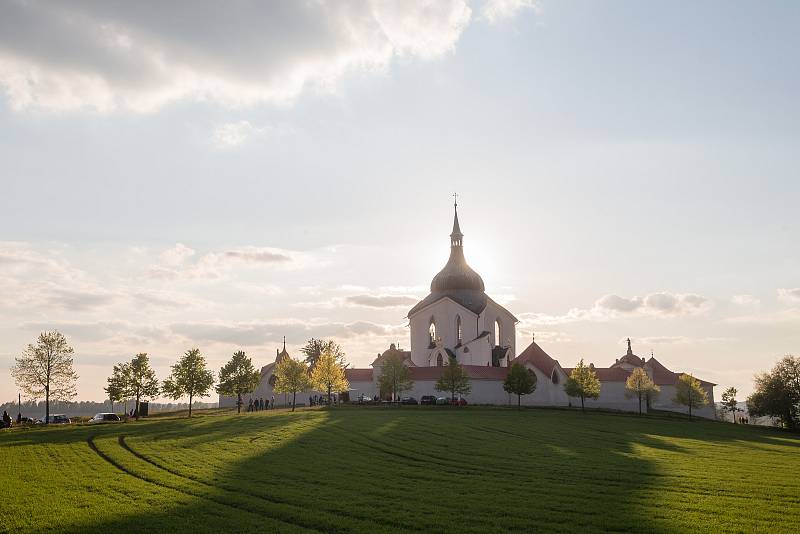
[{"x": 457, "y": 275}]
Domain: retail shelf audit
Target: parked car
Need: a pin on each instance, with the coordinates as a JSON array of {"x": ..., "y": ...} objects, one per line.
[
  {"x": 27, "y": 420},
  {"x": 57, "y": 419},
  {"x": 104, "y": 418},
  {"x": 458, "y": 402},
  {"x": 427, "y": 399},
  {"x": 408, "y": 400},
  {"x": 442, "y": 400},
  {"x": 364, "y": 399}
]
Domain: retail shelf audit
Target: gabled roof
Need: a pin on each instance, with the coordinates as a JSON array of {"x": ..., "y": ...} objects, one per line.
[
  {"x": 606, "y": 374},
  {"x": 537, "y": 357},
  {"x": 474, "y": 301},
  {"x": 405, "y": 356},
  {"x": 358, "y": 375},
  {"x": 664, "y": 377}
]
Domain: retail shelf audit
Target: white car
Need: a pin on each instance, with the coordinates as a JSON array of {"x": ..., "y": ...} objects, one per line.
[{"x": 105, "y": 418}]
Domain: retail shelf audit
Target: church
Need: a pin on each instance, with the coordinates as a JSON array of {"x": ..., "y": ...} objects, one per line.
[{"x": 458, "y": 319}]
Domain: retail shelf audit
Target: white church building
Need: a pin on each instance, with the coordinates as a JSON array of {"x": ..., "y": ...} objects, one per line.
[{"x": 459, "y": 319}]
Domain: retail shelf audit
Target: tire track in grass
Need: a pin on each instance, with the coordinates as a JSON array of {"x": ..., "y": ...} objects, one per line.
[
  {"x": 371, "y": 522},
  {"x": 119, "y": 466}
]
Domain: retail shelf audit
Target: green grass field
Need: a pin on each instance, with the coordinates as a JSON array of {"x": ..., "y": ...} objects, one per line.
[{"x": 414, "y": 469}]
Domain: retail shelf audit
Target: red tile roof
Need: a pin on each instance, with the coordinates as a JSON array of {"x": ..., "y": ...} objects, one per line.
[
  {"x": 607, "y": 374},
  {"x": 664, "y": 377},
  {"x": 538, "y": 358},
  {"x": 358, "y": 375}
]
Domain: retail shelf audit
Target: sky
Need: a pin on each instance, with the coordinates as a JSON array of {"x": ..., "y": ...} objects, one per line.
[{"x": 220, "y": 175}]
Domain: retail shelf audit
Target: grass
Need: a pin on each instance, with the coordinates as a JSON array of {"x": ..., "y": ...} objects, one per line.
[{"x": 414, "y": 469}]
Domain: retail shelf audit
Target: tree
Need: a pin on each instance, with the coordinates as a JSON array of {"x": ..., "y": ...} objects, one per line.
[
  {"x": 519, "y": 381},
  {"x": 315, "y": 348},
  {"x": 640, "y": 385},
  {"x": 45, "y": 370},
  {"x": 238, "y": 377},
  {"x": 689, "y": 392},
  {"x": 328, "y": 375},
  {"x": 140, "y": 380},
  {"x": 189, "y": 377},
  {"x": 395, "y": 376},
  {"x": 777, "y": 393},
  {"x": 291, "y": 376},
  {"x": 729, "y": 402},
  {"x": 117, "y": 387},
  {"x": 583, "y": 383},
  {"x": 454, "y": 379}
]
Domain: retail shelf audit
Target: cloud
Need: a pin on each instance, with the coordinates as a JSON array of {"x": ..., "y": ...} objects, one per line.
[
  {"x": 79, "y": 301},
  {"x": 261, "y": 333},
  {"x": 139, "y": 56},
  {"x": 382, "y": 301},
  {"x": 791, "y": 295},
  {"x": 259, "y": 255},
  {"x": 745, "y": 300},
  {"x": 234, "y": 134},
  {"x": 495, "y": 11},
  {"x": 176, "y": 255},
  {"x": 613, "y": 306}
]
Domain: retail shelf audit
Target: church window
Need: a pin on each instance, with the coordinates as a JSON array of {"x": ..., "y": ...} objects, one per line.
[
  {"x": 439, "y": 360},
  {"x": 432, "y": 332},
  {"x": 459, "y": 331},
  {"x": 498, "y": 340},
  {"x": 555, "y": 377}
]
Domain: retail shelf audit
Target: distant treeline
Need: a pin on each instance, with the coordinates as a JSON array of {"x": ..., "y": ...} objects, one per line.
[{"x": 36, "y": 409}]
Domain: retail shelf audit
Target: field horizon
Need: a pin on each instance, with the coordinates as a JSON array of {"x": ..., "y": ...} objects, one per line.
[{"x": 410, "y": 469}]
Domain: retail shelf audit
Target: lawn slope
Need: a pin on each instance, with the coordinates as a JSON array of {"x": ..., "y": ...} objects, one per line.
[{"x": 414, "y": 469}]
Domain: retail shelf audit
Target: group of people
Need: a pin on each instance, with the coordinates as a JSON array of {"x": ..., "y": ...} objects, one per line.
[
  {"x": 316, "y": 400},
  {"x": 256, "y": 405},
  {"x": 7, "y": 423}
]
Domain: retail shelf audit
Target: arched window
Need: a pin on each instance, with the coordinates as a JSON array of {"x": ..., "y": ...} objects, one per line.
[
  {"x": 439, "y": 360},
  {"x": 555, "y": 377},
  {"x": 459, "y": 331},
  {"x": 498, "y": 340},
  {"x": 432, "y": 332}
]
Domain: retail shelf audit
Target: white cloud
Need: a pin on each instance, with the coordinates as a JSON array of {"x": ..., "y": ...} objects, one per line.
[
  {"x": 382, "y": 301},
  {"x": 176, "y": 255},
  {"x": 745, "y": 300},
  {"x": 234, "y": 134},
  {"x": 792, "y": 295},
  {"x": 613, "y": 306},
  {"x": 139, "y": 56},
  {"x": 495, "y": 11}
]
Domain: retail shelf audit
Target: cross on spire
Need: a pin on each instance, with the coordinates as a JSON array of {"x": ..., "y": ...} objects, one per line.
[{"x": 455, "y": 200}]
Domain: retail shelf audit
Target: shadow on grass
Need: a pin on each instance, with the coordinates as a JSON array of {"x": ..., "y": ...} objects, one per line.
[{"x": 467, "y": 470}]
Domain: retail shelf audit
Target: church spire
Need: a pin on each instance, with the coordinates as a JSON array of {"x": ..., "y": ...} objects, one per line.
[{"x": 456, "y": 237}]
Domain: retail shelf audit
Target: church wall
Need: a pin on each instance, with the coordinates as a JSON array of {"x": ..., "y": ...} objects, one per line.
[
  {"x": 664, "y": 402},
  {"x": 612, "y": 397},
  {"x": 494, "y": 312},
  {"x": 546, "y": 393},
  {"x": 444, "y": 312}
]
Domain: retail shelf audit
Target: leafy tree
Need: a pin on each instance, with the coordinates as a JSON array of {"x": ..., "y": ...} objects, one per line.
[
  {"x": 45, "y": 370},
  {"x": 189, "y": 377},
  {"x": 395, "y": 376},
  {"x": 520, "y": 381},
  {"x": 640, "y": 385},
  {"x": 140, "y": 380},
  {"x": 729, "y": 402},
  {"x": 291, "y": 376},
  {"x": 117, "y": 387},
  {"x": 583, "y": 383},
  {"x": 777, "y": 393},
  {"x": 238, "y": 377},
  {"x": 315, "y": 348},
  {"x": 454, "y": 379},
  {"x": 689, "y": 392},
  {"x": 328, "y": 375}
]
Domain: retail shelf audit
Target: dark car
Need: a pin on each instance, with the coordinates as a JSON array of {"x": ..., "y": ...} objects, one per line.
[
  {"x": 427, "y": 399},
  {"x": 105, "y": 418},
  {"x": 408, "y": 400},
  {"x": 458, "y": 402}
]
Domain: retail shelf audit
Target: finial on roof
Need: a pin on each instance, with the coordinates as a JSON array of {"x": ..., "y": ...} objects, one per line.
[
  {"x": 284, "y": 343},
  {"x": 533, "y": 335},
  {"x": 456, "y": 236},
  {"x": 629, "y": 347}
]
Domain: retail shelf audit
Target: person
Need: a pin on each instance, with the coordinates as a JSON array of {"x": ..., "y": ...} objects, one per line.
[
  {"x": 250, "y": 406},
  {"x": 6, "y": 420},
  {"x": 273, "y": 402},
  {"x": 261, "y": 403}
]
